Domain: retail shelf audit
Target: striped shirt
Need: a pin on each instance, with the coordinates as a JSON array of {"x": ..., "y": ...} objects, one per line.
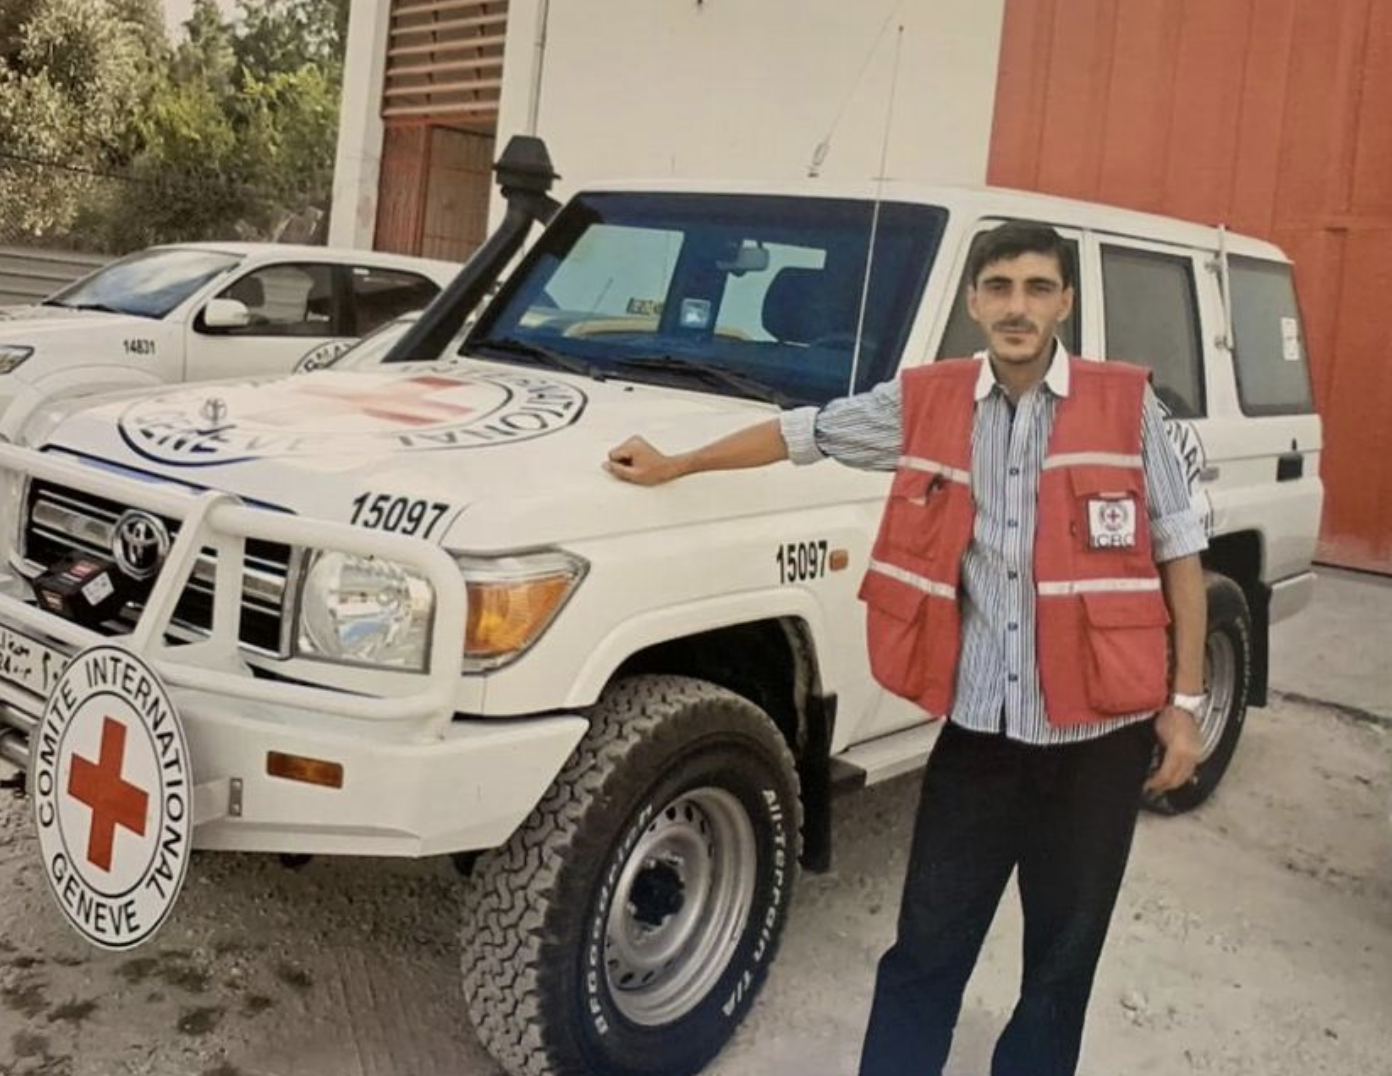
[{"x": 998, "y": 688}]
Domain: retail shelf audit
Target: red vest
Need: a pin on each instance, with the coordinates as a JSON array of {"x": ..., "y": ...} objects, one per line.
[{"x": 1101, "y": 621}]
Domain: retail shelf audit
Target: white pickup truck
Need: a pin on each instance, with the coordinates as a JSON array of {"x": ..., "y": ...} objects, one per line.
[
  {"x": 200, "y": 312},
  {"x": 400, "y": 609}
]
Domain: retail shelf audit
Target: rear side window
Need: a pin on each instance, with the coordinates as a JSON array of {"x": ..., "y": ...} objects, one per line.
[
  {"x": 1273, "y": 375},
  {"x": 1152, "y": 318},
  {"x": 383, "y": 295}
]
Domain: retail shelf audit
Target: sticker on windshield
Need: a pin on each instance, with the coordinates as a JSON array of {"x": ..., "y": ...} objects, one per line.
[
  {"x": 338, "y": 413},
  {"x": 695, "y": 313}
]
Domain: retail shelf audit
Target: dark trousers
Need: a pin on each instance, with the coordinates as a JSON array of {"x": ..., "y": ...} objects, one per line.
[{"x": 1064, "y": 817}]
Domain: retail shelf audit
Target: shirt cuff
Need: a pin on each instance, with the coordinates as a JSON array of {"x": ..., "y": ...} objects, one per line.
[
  {"x": 1179, "y": 534},
  {"x": 799, "y": 428}
]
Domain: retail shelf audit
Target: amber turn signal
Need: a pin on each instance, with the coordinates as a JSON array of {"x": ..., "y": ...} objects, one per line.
[
  {"x": 505, "y": 617},
  {"x": 309, "y": 771}
]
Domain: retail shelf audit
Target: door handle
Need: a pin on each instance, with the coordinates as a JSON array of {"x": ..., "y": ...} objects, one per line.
[{"x": 1290, "y": 466}]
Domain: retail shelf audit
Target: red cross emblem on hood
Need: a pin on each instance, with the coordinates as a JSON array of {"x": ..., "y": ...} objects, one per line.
[{"x": 406, "y": 403}]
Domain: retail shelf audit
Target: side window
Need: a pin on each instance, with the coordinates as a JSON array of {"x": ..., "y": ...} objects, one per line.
[
  {"x": 383, "y": 295},
  {"x": 1273, "y": 374},
  {"x": 1152, "y": 318},
  {"x": 963, "y": 336},
  {"x": 286, "y": 300}
]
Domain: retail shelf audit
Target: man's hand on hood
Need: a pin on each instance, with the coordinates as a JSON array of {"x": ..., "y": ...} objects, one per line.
[{"x": 755, "y": 446}]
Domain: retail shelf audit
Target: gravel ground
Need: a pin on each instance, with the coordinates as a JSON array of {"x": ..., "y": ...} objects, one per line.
[{"x": 1253, "y": 937}]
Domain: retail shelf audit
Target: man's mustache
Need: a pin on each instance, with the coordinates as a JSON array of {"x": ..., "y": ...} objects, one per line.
[{"x": 1012, "y": 326}]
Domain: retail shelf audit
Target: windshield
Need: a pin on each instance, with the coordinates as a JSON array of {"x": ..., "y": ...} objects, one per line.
[
  {"x": 767, "y": 287},
  {"x": 149, "y": 284}
]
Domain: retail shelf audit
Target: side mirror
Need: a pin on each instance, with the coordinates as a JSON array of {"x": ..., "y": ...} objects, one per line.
[{"x": 226, "y": 314}]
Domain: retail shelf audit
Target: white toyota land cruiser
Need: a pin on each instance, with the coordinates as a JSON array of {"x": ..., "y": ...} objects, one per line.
[{"x": 401, "y": 610}]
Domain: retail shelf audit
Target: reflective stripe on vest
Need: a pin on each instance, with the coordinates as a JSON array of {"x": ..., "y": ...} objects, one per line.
[{"x": 1101, "y": 617}]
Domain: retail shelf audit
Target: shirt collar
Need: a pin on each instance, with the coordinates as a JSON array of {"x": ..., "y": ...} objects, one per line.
[{"x": 1056, "y": 380}]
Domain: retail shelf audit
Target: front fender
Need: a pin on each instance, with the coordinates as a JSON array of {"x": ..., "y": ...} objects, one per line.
[{"x": 691, "y": 618}]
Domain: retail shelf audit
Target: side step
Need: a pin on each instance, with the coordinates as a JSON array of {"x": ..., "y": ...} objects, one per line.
[{"x": 884, "y": 757}]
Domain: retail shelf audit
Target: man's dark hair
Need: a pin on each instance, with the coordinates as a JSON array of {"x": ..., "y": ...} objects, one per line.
[{"x": 1016, "y": 237}]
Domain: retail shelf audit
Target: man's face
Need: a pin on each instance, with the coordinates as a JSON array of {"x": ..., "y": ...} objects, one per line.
[{"x": 1019, "y": 302}]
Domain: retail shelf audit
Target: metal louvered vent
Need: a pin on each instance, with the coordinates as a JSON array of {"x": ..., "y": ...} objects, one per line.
[{"x": 445, "y": 61}]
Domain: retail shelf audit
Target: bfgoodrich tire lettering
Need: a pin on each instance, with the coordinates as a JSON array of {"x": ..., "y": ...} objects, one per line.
[
  {"x": 627, "y": 926},
  {"x": 1228, "y": 671}
]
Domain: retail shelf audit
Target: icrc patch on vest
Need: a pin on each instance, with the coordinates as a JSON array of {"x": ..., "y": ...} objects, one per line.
[
  {"x": 113, "y": 801},
  {"x": 1112, "y": 523}
]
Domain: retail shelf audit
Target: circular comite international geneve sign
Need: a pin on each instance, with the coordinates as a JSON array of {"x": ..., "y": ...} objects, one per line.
[
  {"x": 113, "y": 801},
  {"x": 336, "y": 413}
]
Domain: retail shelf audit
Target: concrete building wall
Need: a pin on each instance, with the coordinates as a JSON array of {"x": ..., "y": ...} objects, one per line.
[
  {"x": 733, "y": 88},
  {"x": 358, "y": 165},
  {"x": 702, "y": 88}
]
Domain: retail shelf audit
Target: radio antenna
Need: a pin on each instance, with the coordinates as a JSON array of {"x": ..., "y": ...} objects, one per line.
[
  {"x": 875, "y": 212},
  {"x": 819, "y": 153}
]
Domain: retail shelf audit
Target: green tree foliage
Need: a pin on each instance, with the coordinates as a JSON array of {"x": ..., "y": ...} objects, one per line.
[
  {"x": 72, "y": 73},
  {"x": 277, "y": 36},
  {"x": 228, "y": 134},
  {"x": 206, "y": 54}
]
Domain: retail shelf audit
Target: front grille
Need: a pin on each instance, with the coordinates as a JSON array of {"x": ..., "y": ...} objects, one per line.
[{"x": 59, "y": 522}]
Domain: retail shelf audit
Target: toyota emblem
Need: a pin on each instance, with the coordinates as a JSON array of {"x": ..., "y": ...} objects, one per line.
[
  {"x": 214, "y": 410},
  {"x": 140, "y": 543}
]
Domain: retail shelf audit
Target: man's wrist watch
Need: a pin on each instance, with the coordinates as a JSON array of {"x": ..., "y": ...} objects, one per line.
[{"x": 1191, "y": 704}]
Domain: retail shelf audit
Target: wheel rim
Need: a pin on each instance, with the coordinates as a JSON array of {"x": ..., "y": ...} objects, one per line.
[
  {"x": 1220, "y": 669},
  {"x": 680, "y": 906}
]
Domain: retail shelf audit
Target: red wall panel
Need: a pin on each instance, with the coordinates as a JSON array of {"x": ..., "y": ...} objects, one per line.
[{"x": 1271, "y": 116}]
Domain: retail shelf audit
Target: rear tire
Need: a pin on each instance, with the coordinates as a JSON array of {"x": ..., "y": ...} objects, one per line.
[
  {"x": 626, "y": 928},
  {"x": 1228, "y": 674}
]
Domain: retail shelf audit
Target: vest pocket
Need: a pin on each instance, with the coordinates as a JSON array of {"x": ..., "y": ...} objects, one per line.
[
  {"x": 896, "y": 627},
  {"x": 914, "y": 512},
  {"x": 1109, "y": 510},
  {"x": 1127, "y": 651}
]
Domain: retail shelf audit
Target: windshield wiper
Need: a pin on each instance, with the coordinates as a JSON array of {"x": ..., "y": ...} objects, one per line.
[
  {"x": 711, "y": 374},
  {"x": 536, "y": 353}
]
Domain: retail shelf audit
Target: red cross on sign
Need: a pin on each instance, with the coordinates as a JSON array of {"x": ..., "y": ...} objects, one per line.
[
  {"x": 114, "y": 801},
  {"x": 1114, "y": 516},
  {"x": 407, "y": 403}
]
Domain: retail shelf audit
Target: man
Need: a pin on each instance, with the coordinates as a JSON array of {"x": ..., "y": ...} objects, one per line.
[{"x": 1037, "y": 517}]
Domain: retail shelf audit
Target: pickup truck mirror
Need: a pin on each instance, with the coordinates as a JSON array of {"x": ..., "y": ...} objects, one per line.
[{"x": 226, "y": 314}]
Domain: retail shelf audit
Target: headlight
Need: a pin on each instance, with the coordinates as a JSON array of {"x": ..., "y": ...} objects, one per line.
[
  {"x": 365, "y": 611},
  {"x": 12, "y": 357},
  {"x": 512, "y": 601}
]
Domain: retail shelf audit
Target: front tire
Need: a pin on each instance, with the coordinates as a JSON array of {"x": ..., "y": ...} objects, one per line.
[
  {"x": 1228, "y": 674},
  {"x": 626, "y": 928}
]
